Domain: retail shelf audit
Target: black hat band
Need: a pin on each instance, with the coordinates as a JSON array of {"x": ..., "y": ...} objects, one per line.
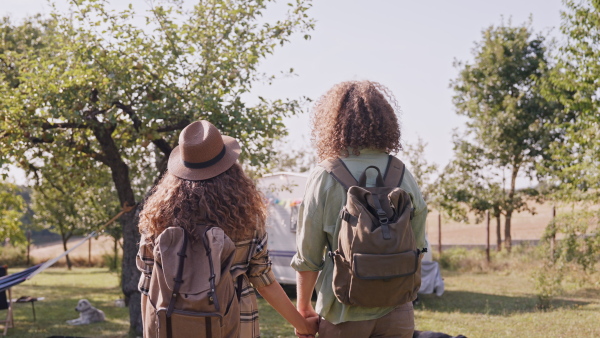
[{"x": 205, "y": 164}]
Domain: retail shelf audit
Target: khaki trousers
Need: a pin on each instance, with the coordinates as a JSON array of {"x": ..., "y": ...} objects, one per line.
[{"x": 399, "y": 323}]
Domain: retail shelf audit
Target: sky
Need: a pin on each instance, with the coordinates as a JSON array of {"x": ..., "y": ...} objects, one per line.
[{"x": 408, "y": 46}]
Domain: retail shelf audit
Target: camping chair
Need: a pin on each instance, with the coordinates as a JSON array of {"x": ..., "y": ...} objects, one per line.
[{"x": 6, "y": 304}]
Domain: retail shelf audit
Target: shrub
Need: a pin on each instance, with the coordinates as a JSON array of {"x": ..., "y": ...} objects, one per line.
[
  {"x": 113, "y": 263},
  {"x": 462, "y": 259},
  {"x": 13, "y": 256},
  {"x": 577, "y": 251}
]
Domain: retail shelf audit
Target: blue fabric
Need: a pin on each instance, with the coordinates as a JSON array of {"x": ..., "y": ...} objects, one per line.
[{"x": 16, "y": 278}]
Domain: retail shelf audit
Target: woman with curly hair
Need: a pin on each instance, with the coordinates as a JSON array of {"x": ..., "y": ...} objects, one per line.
[
  {"x": 205, "y": 188},
  {"x": 357, "y": 122}
]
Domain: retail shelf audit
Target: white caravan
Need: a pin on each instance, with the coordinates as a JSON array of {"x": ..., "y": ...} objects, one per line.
[{"x": 284, "y": 192}]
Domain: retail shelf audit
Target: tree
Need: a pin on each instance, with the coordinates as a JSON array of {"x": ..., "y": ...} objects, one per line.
[
  {"x": 573, "y": 167},
  {"x": 470, "y": 184},
  {"x": 55, "y": 209},
  {"x": 90, "y": 84},
  {"x": 414, "y": 155},
  {"x": 500, "y": 94},
  {"x": 12, "y": 209},
  {"x": 70, "y": 202}
]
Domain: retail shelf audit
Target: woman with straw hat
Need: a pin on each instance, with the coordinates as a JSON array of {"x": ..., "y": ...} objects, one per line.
[{"x": 206, "y": 185}]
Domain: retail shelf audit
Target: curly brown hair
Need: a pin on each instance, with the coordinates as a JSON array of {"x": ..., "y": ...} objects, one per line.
[
  {"x": 355, "y": 115},
  {"x": 229, "y": 201}
]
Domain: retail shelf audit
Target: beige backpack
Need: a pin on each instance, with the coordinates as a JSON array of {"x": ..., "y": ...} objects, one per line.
[
  {"x": 192, "y": 292},
  {"x": 377, "y": 263}
]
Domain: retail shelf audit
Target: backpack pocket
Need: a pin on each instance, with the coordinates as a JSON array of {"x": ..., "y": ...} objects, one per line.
[
  {"x": 230, "y": 323},
  {"x": 384, "y": 280},
  {"x": 341, "y": 279},
  {"x": 379, "y": 266},
  {"x": 187, "y": 324}
]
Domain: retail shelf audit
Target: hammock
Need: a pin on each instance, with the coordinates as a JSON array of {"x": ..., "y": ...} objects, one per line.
[
  {"x": 8, "y": 281},
  {"x": 11, "y": 280}
]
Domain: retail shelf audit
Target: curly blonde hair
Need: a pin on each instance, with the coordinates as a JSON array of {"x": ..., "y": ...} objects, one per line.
[
  {"x": 355, "y": 115},
  {"x": 229, "y": 201}
]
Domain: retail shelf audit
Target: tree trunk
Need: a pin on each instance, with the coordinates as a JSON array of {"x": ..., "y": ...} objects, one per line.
[
  {"x": 129, "y": 273},
  {"x": 507, "y": 237},
  {"x": 498, "y": 234},
  {"x": 510, "y": 208},
  {"x": 65, "y": 240},
  {"x": 116, "y": 254}
]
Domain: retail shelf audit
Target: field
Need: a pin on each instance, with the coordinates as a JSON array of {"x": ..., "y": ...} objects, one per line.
[{"x": 525, "y": 227}]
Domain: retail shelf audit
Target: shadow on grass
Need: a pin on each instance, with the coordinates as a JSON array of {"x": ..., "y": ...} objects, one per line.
[{"x": 489, "y": 304}]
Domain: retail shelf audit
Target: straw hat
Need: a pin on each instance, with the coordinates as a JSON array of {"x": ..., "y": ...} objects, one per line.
[{"x": 202, "y": 152}]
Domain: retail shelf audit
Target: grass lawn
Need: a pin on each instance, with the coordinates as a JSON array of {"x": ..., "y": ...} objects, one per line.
[
  {"x": 490, "y": 304},
  {"x": 499, "y": 305},
  {"x": 62, "y": 290}
]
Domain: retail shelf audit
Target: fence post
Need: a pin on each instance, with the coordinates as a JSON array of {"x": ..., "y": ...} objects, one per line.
[
  {"x": 440, "y": 234},
  {"x": 28, "y": 245},
  {"x": 487, "y": 248},
  {"x": 553, "y": 238}
]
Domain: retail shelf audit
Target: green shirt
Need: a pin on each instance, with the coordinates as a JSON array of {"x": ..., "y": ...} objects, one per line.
[{"x": 319, "y": 222}]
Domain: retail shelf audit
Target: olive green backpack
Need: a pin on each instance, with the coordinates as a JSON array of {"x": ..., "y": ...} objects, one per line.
[{"x": 377, "y": 263}]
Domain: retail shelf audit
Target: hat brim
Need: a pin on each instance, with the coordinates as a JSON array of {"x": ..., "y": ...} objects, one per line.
[{"x": 177, "y": 168}]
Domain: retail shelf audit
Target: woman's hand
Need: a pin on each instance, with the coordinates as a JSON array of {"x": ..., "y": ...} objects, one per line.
[{"x": 312, "y": 326}]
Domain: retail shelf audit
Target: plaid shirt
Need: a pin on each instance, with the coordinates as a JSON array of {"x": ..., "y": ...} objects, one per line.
[{"x": 251, "y": 261}]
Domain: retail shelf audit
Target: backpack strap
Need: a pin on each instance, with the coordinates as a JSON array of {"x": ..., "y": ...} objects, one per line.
[
  {"x": 338, "y": 170},
  {"x": 212, "y": 295},
  {"x": 394, "y": 173},
  {"x": 177, "y": 279},
  {"x": 178, "y": 282}
]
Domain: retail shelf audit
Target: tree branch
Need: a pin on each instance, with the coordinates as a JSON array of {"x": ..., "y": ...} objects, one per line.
[
  {"x": 163, "y": 146},
  {"x": 37, "y": 140},
  {"x": 178, "y": 126},
  {"x": 129, "y": 111},
  {"x": 63, "y": 125},
  {"x": 97, "y": 156}
]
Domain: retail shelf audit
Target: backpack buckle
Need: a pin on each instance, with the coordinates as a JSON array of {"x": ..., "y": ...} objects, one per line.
[
  {"x": 344, "y": 215},
  {"x": 382, "y": 217}
]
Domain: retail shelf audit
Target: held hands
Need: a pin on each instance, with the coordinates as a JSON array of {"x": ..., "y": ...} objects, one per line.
[{"x": 312, "y": 323}]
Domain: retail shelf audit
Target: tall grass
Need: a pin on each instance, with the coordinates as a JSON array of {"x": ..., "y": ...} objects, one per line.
[
  {"x": 13, "y": 256},
  {"x": 460, "y": 259}
]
